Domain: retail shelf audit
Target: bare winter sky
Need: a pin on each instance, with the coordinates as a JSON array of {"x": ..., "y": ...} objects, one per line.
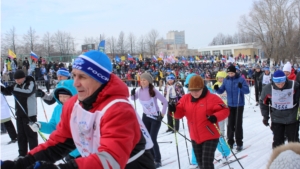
[{"x": 201, "y": 20}]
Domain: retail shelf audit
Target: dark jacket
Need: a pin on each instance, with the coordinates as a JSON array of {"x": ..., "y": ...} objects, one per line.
[
  {"x": 287, "y": 116},
  {"x": 255, "y": 76},
  {"x": 25, "y": 95}
]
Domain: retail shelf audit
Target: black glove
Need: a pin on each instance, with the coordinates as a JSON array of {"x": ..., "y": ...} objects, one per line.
[
  {"x": 160, "y": 117},
  {"x": 266, "y": 123},
  {"x": 240, "y": 85},
  {"x": 133, "y": 91},
  {"x": 43, "y": 165},
  {"x": 216, "y": 87},
  {"x": 212, "y": 118},
  {"x": 21, "y": 163},
  {"x": 172, "y": 108},
  {"x": 39, "y": 93}
]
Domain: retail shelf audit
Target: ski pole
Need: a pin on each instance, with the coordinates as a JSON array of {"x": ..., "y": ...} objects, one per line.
[
  {"x": 42, "y": 136},
  {"x": 176, "y": 141},
  {"x": 227, "y": 146},
  {"x": 186, "y": 142},
  {"x": 134, "y": 101},
  {"x": 44, "y": 110},
  {"x": 165, "y": 142}
]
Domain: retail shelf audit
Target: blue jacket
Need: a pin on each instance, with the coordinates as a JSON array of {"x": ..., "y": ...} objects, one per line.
[
  {"x": 230, "y": 85},
  {"x": 49, "y": 127}
]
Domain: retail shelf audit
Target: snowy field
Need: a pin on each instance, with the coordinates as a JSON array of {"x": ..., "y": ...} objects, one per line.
[{"x": 255, "y": 134}]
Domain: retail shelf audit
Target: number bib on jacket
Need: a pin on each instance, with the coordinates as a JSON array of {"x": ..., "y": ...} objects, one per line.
[
  {"x": 266, "y": 79},
  {"x": 282, "y": 100},
  {"x": 149, "y": 108},
  {"x": 85, "y": 129}
]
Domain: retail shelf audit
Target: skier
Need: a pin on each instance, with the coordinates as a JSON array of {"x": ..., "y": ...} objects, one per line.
[
  {"x": 23, "y": 91},
  {"x": 107, "y": 135},
  {"x": 63, "y": 92},
  {"x": 289, "y": 71},
  {"x": 283, "y": 97},
  {"x": 173, "y": 92},
  {"x": 152, "y": 116},
  {"x": 6, "y": 120},
  {"x": 265, "y": 77},
  {"x": 257, "y": 84},
  {"x": 235, "y": 87},
  {"x": 202, "y": 113},
  {"x": 62, "y": 74},
  {"x": 220, "y": 77}
]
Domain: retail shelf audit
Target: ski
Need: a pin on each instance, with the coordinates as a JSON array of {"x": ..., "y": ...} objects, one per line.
[
  {"x": 164, "y": 134},
  {"x": 235, "y": 152},
  {"x": 230, "y": 161},
  {"x": 193, "y": 166}
]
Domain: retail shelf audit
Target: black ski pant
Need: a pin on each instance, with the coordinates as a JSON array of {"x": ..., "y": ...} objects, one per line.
[
  {"x": 153, "y": 127},
  {"x": 10, "y": 128},
  {"x": 26, "y": 135},
  {"x": 47, "y": 84},
  {"x": 235, "y": 126},
  {"x": 257, "y": 93},
  {"x": 281, "y": 130},
  {"x": 170, "y": 122},
  {"x": 205, "y": 153}
]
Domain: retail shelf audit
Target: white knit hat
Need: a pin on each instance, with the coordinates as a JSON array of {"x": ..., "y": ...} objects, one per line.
[
  {"x": 287, "y": 67},
  {"x": 287, "y": 159}
]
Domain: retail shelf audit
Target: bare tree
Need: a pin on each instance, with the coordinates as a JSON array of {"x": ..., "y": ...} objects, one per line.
[
  {"x": 111, "y": 45},
  {"x": 63, "y": 42},
  {"x": 31, "y": 39},
  {"x": 90, "y": 40},
  {"x": 11, "y": 39},
  {"x": 131, "y": 43},
  {"x": 47, "y": 44},
  {"x": 275, "y": 24},
  {"x": 141, "y": 45},
  {"x": 121, "y": 43},
  {"x": 151, "y": 41}
]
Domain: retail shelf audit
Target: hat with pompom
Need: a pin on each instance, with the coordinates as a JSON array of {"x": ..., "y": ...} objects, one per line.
[
  {"x": 96, "y": 64},
  {"x": 287, "y": 159},
  {"x": 196, "y": 83}
]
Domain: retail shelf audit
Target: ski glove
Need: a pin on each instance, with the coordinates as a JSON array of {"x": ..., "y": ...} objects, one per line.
[
  {"x": 172, "y": 108},
  {"x": 216, "y": 87},
  {"x": 133, "y": 91},
  {"x": 212, "y": 118},
  {"x": 266, "y": 123},
  {"x": 35, "y": 126},
  {"x": 21, "y": 163},
  {"x": 240, "y": 85},
  {"x": 39, "y": 93},
  {"x": 160, "y": 117}
]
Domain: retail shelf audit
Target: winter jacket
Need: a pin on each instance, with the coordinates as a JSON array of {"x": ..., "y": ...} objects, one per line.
[
  {"x": 49, "y": 127},
  {"x": 230, "y": 85},
  {"x": 292, "y": 75},
  {"x": 285, "y": 156},
  {"x": 121, "y": 137},
  {"x": 25, "y": 95},
  {"x": 287, "y": 116},
  {"x": 255, "y": 76},
  {"x": 197, "y": 112}
]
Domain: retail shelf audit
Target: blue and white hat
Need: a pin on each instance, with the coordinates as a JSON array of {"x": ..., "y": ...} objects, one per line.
[
  {"x": 267, "y": 68},
  {"x": 96, "y": 64},
  {"x": 63, "y": 72},
  {"x": 279, "y": 76},
  {"x": 170, "y": 77}
]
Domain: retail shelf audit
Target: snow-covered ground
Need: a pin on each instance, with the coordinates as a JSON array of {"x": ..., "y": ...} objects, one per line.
[{"x": 255, "y": 134}]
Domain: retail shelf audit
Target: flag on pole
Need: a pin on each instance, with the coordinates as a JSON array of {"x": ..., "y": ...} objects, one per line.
[
  {"x": 11, "y": 54},
  {"x": 117, "y": 59},
  {"x": 129, "y": 57},
  {"x": 154, "y": 58},
  {"x": 101, "y": 46},
  {"x": 140, "y": 57},
  {"x": 33, "y": 56},
  {"x": 123, "y": 58}
]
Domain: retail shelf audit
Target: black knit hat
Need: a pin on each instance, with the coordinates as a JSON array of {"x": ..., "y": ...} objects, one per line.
[
  {"x": 63, "y": 91},
  {"x": 19, "y": 74},
  {"x": 231, "y": 68}
]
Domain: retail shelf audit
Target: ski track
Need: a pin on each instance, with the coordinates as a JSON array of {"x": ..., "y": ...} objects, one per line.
[{"x": 255, "y": 134}]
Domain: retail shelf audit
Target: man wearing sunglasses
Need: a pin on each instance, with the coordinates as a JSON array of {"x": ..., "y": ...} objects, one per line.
[{"x": 279, "y": 101}]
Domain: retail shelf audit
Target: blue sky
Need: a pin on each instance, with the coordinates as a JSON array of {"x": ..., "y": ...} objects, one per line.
[{"x": 201, "y": 20}]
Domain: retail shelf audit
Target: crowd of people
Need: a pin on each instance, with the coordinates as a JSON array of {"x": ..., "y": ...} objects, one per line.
[{"x": 86, "y": 111}]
